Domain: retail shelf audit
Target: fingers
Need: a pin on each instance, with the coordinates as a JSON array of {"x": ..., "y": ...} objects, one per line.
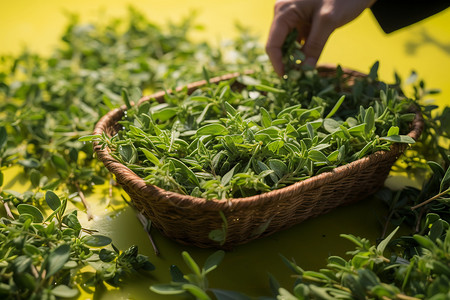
[
  {"x": 321, "y": 30},
  {"x": 314, "y": 21},
  {"x": 277, "y": 35}
]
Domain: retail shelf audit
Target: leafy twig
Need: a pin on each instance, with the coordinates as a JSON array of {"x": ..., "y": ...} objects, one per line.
[{"x": 431, "y": 199}]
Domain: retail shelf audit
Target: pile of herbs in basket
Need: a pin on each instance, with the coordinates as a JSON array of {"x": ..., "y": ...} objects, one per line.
[{"x": 257, "y": 133}]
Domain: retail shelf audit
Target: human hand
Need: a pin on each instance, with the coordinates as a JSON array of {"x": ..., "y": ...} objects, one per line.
[{"x": 315, "y": 20}]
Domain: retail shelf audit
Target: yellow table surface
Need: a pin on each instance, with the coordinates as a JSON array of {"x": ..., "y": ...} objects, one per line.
[{"x": 423, "y": 47}]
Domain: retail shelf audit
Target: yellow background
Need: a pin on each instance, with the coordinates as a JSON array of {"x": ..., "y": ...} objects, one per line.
[
  {"x": 423, "y": 47},
  {"x": 38, "y": 24}
]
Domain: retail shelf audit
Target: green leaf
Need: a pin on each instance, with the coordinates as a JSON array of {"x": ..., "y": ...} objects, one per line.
[
  {"x": 30, "y": 250},
  {"x": 331, "y": 125},
  {"x": 275, "y": 146},
  {"x": 31, "y": 210},
  {"x": 51, "y": 185},
  {"x": 197, "y": 292},
  {"x": 164, "y": 114},
  {"x": 368, "y": 278},
  {"x": 185, "y": 170},
  {"x": 285, "y": 295},
  {"x": 150, "y": 156},
  {"x": 167, "y": 289},
  {"x": 317, "y": 156},
  {"x": 29, "y": 163},
  {"x": 311, "y": 132},
  {"x": 21, "y": 263},
  {"x": 56, "y": 259},
  {"x": 60, "y": 162},
  {"x": 5, "y": 288},
  {"x": 126, "y": 98},
  {"x": 213, "y": 261},
  {"x": 128, "y": 153},
  {"x": 394, "y": 130},
  {"x": 333, "y": 156},
  {"x": 205, "y": 74},
  {"x": 369, "y": 119},
  {"x": 383, "y": 244},
  {"x": 25, "y": 281},
  {"x": 274, "y": 285},
  {"x": 445, "y": 182},
  {"x": 224, "y": 92},
  {"x": 436, "y": 230},
  {"x": 373, "y": 74},
  {"x": 63, "y": 291},
  {"x": 71, "y": 220},
  {"x": 353, "y": 239},
  {"x": 399, "y": 139},
  {"x": 352, "y": 282},
  {"x": 177, "y": 275},
  {"x": 440, "y": 267},
  {"x": 191, "y": 263},
  {"x": 135, "y": 94},
  {"x": 358, "y": 129},
  {"x": 217, "y": 235},
  {"x": 278, "y": 167},
  {"x": 424, "y": 241},
  {"x": 106, "y": 255},
  {"x": 437, "y": 169},
  {"x": 212, "y": 129},
  {"x": 52, "y": 200},
  {"x": 337, "y": 260},
  {"x": 229, "y": 108},
  {"x": 1, "y": 178},
  {"x": 227, "y": 177},
  {"x": 266, "y": 120},
  {"x": 292, "y": 266},
  {"x": 35, "y": 177},
  {"x": 336, "y": 107},
  {"x": 96, "y": 240},
  {"x": 89, "y": 138},
  {"x": 266, "y": 88}
]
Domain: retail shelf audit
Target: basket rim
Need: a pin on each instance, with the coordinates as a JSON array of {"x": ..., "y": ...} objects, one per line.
[{"x": 124, "y": 174}]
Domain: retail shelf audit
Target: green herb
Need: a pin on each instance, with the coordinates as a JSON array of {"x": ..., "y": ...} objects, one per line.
[
  {"x": 413, "y": 267},
  {"x": 194, "y": 283},
  {"x": 39, "y": 258},
  {"x": 221, "y": 143}
]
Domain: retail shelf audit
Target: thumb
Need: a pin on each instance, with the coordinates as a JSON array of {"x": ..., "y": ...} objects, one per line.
[{"x": 316, "y": 40}]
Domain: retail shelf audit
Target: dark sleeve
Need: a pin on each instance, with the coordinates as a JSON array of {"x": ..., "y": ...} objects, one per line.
[{"x": 396, "y": 14}]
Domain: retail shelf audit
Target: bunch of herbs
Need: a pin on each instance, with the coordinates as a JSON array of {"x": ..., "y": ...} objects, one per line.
[{"x": 220, "y": 142}]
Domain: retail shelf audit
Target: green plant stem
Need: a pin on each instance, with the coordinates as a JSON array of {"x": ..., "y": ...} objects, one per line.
[{"x": 431, "y": 199}]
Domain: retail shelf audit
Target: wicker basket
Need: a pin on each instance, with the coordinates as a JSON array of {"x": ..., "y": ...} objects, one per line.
[{"x": 189, "y": 220}]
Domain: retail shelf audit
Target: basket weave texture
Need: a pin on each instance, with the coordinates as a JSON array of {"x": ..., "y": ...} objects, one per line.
[{"x": 189, "y": 220}]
